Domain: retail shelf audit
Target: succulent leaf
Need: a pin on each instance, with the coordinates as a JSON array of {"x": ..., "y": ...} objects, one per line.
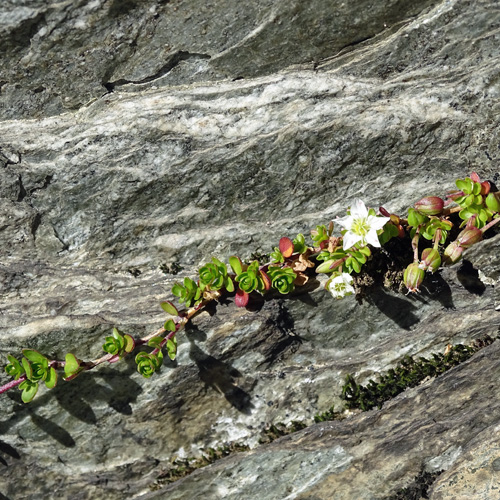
[
  {"x": 286, "y": 247},
  {"x": 29, "y": 389},
  {"x": 169, "y": 308}
]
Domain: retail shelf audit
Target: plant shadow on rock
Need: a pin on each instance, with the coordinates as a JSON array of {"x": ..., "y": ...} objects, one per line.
[
  {"x": 7, "y": 449},
  {"x": 76, "y": 399},
  {"x": 221, "y": 376},
  {"x": 402, "y": 310},
  {"x": 274, "y": 341},
  {"x": 469, "y": 278}
]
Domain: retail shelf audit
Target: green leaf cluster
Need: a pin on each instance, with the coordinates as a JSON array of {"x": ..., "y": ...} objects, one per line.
[
  {"x": 320, "y": 234},
  {"x": 213, "y": 276},
  {"x": 282, "y": 278},
  {"x": 188, "y": 293},
  {"x": 148, "y": 363},
  {"x": 251, "y": 279},
  {"x": 299, "y": 244},
  {"x": 428, "y": 230},
  {"x": 351, "y": 261},
  {"x": 472, "y": 202},
  {"x": 416, "y": 219},
  {"x": 36, "y": 368},
  {"x": 118, "y": 344},
  {"x": 276, "y": 256}
]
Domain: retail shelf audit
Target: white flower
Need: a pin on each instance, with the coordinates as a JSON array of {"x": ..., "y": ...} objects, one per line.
[
  {"x": 340, "y": 286},
  {"x": 361, "y": 227}
]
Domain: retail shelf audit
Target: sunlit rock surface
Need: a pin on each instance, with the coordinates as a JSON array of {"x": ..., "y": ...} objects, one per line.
[{"x": 137, "y": 136}]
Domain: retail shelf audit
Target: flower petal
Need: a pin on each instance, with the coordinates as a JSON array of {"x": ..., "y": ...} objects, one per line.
[
  {"x": 345, "y": 222},
  {"x": 350, "y": 239},
  {"x": 372, "y": 238},
  {"x": 377, "y": 222},
  {"x": 358, "y": 209}
]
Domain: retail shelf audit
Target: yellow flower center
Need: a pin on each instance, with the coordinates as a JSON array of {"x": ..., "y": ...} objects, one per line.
[{"x": 360, "y": 227}]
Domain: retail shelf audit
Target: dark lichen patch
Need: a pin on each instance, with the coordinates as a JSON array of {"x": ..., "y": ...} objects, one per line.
[
  {"x": 409, "y": 372},
  {"x": 173, "y": 268},
  {"x": 418, "y": 489}
]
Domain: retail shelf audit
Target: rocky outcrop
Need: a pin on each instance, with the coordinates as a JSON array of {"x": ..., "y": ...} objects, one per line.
[{"x": 138, "y": 137}]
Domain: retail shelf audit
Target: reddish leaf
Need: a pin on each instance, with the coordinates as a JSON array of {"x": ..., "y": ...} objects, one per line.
[
  {"x": 384, "y": 212},
  {"x": 474, "y": 177},
  {"x": 242, "y": 298},
  {"x": 266, "y": 279},
  {"x": 485, "y": 188},
  {"x": 286, "y": 247}
]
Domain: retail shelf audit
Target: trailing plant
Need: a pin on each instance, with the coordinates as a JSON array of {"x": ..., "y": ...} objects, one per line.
[{"x": 438, "y": 231}]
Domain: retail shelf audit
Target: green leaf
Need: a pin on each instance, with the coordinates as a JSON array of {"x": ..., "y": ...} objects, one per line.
[
  {"x": 325, "y": 266},
  {"x": 129, "y": 343},
  {"x": 155, "y": 342},
  {"x": 169, "y": 308},
  {"x": 465, "y": 185},
  {"x": 229, "y": 284},
  {"x": 14, "y": 368},
  {"x": 172, "y": 348},
  {"x": 177, "y": 290},
  {"x": 236, "y": 265},
  {"x": 29, "y": 390},
  {"x": 476, "y": 188},
  {"x": 355, "y": 265},
  {"x": 71, "y": 366},
  {"x": 415, "y": 218},
  {"x": 119, "y": 337},
  {"x": 276, "y": 256},
  {"x": 170, "y": 326},
  {"x": 27, "y": 368},
  {"x": 35, "y": 356},
  {"x": 51, "y": 379},
  {"x": 157, "y": 359},
  {"x": 189, "y": 284},
  {"x": 299, "y": 244}
]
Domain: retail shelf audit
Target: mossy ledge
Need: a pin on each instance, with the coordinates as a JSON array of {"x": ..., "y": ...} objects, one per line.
[{"x": 409, "y": 372}]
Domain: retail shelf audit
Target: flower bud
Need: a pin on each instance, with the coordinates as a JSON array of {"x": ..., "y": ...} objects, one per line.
[
  {"x": 431, "y": 205},
  {"x": 469, "y": 236},
  {"x": 431, "y": 260},
  {"x": 493, "y": 201},
  {"x": 452, "y": 253},
  {"x": 413, "y": 277}
]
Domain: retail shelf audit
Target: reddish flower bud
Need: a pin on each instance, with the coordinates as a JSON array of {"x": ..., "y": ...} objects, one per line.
[
  {"x": 413, "y": 277},
  {"x": 469, "y": 236},
  {"x": 452, "y": 253},
  {"x": 493, "y": 201},
  {"x": 431, "y": 260},
  {"x": 431, "y": 205}
]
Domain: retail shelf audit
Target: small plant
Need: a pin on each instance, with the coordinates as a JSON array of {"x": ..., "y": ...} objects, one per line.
[
  {"x": 342, "y": 257},
  {"x": 409, "y": 372}
]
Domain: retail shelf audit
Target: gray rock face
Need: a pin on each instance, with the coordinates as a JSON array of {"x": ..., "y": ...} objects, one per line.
[{"x": 140, "y": 135}]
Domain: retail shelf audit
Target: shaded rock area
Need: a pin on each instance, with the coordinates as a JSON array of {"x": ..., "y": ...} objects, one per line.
[{"x": 138, "y": 138}]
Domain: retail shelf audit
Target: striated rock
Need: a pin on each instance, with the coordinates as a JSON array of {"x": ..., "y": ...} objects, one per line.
[
  {"x": 138, "y": 137},
  {"x": 430, "y": 428}
]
